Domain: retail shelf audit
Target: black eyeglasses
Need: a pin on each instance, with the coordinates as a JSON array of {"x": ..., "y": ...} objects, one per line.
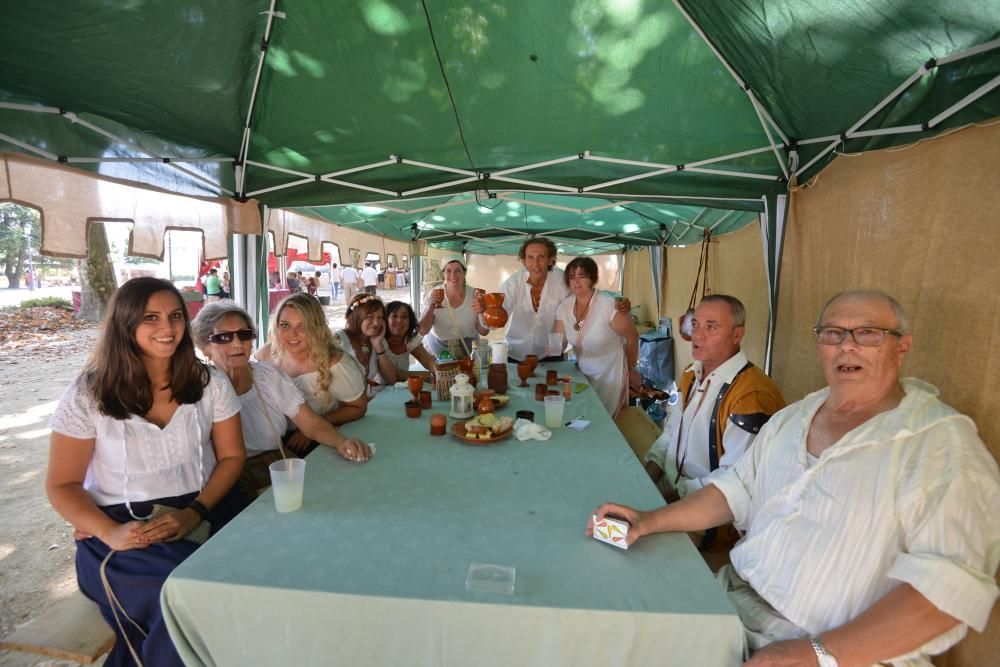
[
  {"x": 864, "y": 336},
  {"x": 224, "y": 337}
]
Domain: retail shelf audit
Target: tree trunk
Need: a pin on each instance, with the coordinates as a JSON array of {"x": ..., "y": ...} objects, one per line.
[{"x": 97, "y": 275}]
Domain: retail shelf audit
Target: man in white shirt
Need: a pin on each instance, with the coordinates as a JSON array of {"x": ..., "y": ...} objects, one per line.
[
  {"x": 869, "y": 509},
  {"x": 725, "y": 402},
  {"x": 370, "y": 276},
  {"x": 530, "y": 299},
  {"x": 334, "y": 281},
  {"x": 349, "y": 278}
]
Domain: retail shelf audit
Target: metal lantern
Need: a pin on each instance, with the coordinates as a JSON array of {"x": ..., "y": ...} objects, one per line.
[{"x": 461, "y": 397}]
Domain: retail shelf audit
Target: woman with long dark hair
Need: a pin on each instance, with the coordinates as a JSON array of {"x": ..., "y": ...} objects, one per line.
[
  {"x": 363, "y": 337},
  {"x": 146, "y": 444},
  {"x": 402, "y": 339}
]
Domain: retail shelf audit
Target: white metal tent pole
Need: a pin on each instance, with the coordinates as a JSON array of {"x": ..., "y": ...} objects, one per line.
[
  {"x": 656, "y": 269},
  {"x": 760, "y": 117},
  {"x": 743, "y": 84},
  {"x": 29, "y": 147},
  {"x": 73, "y": 118},
  {"x": 245, "y": 140},
  {"x": 416, "y": 280},
  {"x": 965, "y": 101},
  {"x": 88, "y": 160},
  {"x": 773, "y": 249}
]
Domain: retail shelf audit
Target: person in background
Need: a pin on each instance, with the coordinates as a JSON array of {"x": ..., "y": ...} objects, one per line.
[
  {"x": 606, "y": 340},
  {"x": 868, "y": 509},
  {"x": 213, "y": 286},
  {"x": 146, "y": 445},
  {"x": 363, "y": 337},
  {"x": 312, "y": 284},
  {"x": 293, "y": 282},
  {"x": 448, "y": 321},
  {"x": 349, "y": 278},
  {"x": 334, "y": 281},
  {"x": 370, "y": 277},
  {"x": 300, "y": 344},
  {"x": 269, "y": 400},
  {"x": 226, "y": 292},
  {"x": 531, "y": 297},
  {"x": 402, "y": 339}
]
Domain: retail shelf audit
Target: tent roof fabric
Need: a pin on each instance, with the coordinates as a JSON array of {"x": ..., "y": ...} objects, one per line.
[{"x": 362, "y": 102}]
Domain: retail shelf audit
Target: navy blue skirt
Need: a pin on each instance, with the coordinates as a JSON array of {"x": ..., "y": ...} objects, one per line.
[{"x": 136, "y": 577}]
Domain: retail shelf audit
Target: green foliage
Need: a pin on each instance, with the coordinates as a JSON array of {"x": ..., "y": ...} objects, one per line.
[{"x": 48, "y": 301}]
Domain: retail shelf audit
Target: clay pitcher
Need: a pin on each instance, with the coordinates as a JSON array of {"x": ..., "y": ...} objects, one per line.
[{"x": 494, "y": 316}]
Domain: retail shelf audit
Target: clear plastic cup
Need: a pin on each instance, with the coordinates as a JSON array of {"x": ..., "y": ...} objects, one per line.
[
  {"x": 287, "y": 480},
  {"x": 554, "y": 409},
  {"x": 555, "y": 344}
]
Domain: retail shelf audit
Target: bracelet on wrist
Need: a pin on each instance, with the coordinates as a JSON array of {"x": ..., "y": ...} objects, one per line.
[{"x": 199, "y": 508}]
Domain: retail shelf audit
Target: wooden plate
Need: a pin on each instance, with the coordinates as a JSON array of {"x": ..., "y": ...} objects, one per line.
[{"x": 458, "y": 430}]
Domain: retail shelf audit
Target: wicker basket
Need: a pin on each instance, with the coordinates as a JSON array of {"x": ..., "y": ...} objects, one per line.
[{"x": 445, "y": 375}]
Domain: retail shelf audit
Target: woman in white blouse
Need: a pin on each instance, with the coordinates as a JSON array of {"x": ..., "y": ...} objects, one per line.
[
  {"x": 299, "y": 343},
  {"x": 269, "y": 399},
  {"x": 363, "y": 337},
  {"x": 402, "y": 339},
  {"x": 146, "y": 445},
  {"x": 449, "y": 321}
]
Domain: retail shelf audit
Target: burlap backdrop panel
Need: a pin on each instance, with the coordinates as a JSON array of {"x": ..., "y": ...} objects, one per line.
[
  {"x": 921, "y": 224},
  {"x": 736, "y": 267}
]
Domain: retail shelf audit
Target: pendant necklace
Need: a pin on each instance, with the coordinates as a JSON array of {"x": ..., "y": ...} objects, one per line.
[{"x": 576, "y": 325}]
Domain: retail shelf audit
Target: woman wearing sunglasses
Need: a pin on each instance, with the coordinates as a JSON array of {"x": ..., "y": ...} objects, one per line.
[
  {"x": 146, "y": 445},
  {"x": 224, "y": 332},
  {"x": 299, "y": 343}
]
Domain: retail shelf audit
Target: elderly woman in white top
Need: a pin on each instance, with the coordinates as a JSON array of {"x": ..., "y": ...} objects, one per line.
[
  {"x": 450, "y": 321},
  {"x": 268, "y": 398},
  {"x": 301, "y": 345}
]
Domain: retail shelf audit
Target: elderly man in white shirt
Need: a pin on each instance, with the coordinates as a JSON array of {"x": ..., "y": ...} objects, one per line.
[
  {"x": 370, "y": 277},
  {"x": 349, "y": 278},
  {"x": 869, "y": 510}
]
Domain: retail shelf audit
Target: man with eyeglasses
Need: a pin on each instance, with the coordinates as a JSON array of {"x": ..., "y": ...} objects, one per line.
[
  {"x": 725, "y": 402},
  {"x": 869, "y": 509}
]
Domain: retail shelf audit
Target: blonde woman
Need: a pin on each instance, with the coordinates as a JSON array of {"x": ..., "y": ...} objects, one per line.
[{"x": 299, "y": 343}]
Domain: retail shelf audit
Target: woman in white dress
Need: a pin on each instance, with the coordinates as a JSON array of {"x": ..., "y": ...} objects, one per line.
[
  {"x": 269, "y": 400},
  {"x": 449, "y": 321},
  {"x": 146, "y": 445},
  {"x": 363, "y": 337},
  {"x": 402, "y": 339},
  {"x": 299, "y": 343},
  {"x": 605, "y": 340}
]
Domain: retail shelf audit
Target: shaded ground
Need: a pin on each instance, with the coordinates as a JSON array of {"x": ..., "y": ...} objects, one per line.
[{"x": 40, "y": 354}]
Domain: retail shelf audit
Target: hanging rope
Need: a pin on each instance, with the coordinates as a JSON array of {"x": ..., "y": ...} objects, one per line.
[{"x": 700, "y": 277}]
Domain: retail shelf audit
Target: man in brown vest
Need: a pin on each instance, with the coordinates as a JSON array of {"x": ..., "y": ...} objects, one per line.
[{"x": 725, "y": 402}]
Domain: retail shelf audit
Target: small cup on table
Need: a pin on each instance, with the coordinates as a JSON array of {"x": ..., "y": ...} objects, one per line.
[
  {"x": 554, "y": 410},
  {"x": 412, "y": 409},
  {"x": 540, "y": 390},
  {"x": 439, "y": 423},
  {"x": 287, "y": 481},
  {"x": 426, "y": 400}
]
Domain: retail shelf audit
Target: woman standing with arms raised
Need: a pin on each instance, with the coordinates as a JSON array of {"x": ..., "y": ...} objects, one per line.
[
  {"x": 449, "y": 321},
  {"x": 146, "y": 444},
  {"x": 299, "y": 343},
  {"x": 605, "y": 340}
]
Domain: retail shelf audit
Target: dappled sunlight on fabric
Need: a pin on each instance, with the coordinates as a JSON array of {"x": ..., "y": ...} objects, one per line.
[{"x": 383, "y": 18}]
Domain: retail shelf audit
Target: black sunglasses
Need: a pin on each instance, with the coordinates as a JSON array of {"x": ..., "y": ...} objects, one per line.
[{"x": 224, "y": 337}]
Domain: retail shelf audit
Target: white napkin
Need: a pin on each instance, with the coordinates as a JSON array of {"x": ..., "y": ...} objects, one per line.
[
  {"x": 526, "y": 430},
  {"x": 579, "y": 424}
]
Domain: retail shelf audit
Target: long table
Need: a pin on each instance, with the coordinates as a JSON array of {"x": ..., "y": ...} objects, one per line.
[{"x": 372, "y": 569}]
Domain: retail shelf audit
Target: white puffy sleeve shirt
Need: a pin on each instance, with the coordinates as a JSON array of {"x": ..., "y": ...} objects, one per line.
[
  {"x": 528, "y": 329},
  {"x": 136, "y": 460},
  {"x": 911, "y": 496},
  {"x": 264, "y": 409}
]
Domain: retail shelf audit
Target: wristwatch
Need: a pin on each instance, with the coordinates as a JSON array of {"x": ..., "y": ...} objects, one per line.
[{"x": 824, "y": 657}]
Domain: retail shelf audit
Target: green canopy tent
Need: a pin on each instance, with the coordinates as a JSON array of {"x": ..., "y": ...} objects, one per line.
[{"x": 310, "y": 104}]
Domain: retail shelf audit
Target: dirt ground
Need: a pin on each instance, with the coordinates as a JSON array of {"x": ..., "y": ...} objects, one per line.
[{"x": 36, "y": 544}]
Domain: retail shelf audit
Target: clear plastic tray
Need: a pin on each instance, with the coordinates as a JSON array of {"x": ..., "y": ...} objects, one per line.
[{"x": 490, "y": 578}]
